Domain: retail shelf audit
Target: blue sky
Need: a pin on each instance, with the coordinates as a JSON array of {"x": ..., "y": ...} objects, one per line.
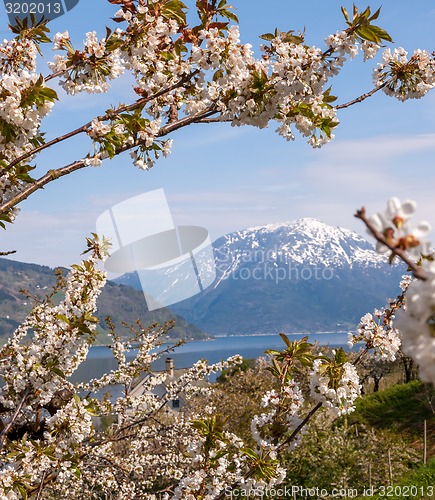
[{"x": 226, "y": 178}]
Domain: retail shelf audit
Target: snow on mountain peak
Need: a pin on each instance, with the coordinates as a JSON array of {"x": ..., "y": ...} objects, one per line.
[{"x": 304, "y": 241}]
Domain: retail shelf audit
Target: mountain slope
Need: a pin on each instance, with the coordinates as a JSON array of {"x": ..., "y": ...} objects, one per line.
[
  {"x": 122, "y": 303},
  {"x": 298, "y": 276}
]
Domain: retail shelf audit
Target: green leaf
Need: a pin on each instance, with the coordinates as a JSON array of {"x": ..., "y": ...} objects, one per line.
[
  {"x": 290, "y": 38},
  {"x": 21, "y": 173},
  {"x": 365, "y": 14},
  {"x": 8, "y": 131},
  {"x": 179, "y": 47},
  {"x": 346, "y": 15},
  {"x": 174, "y": 10},
  {"x": 63, "y": 318},
  {"x": 327, "y": 97},
  {"x": 381, "y": 33},
  {"x": 375, "y": 15},
  {"x": 89, "y": 317},
  {"x": 166, "y": 56},
  {"x": 218, "y": 74},
  {"x": 77, "y": 268},
  {"x": 285, "y": 339},
  {"x": 267, "y": 36},
  {"x": 250, "y": 453},
  {"x": 355, "y": 11},
  {"x": 23, "y": 491},
  {"x": 340, "y": 356},
  {"x": 58, "y": 371},
  {"x": 274, "y": 352},
  {"x": 220, "y": 454},
  {"x": 367, "y": 34},
  {"x": 113, "y": 42},
  {"x": 229, "y": 15}
]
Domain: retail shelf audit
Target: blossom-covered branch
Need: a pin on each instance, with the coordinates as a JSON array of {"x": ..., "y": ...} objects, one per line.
[
  {"x": 396, "y": 249},
  {"x": 203, "y": 72}
]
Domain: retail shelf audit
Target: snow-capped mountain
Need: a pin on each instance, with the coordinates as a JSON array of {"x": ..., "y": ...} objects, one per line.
[{"x": 302, "y": 275}]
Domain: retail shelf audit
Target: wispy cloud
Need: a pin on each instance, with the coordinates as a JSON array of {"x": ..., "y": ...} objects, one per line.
[{"x": 345, "y": 176}]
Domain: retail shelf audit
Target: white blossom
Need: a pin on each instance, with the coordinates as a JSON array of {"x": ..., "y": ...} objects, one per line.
[
  {"x": 339, "y": 400},
  {"x": 416, "y": 324}
]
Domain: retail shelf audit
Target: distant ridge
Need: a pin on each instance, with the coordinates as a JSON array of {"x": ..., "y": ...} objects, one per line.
[{"x": 122, "y": 303}]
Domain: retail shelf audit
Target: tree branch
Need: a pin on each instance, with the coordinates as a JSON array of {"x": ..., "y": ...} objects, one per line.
[
  {"x": 41, "y": 487},
  {"x": 10, "y": 252},
  {"x": 13, "y": 418},
  {"x": 111, "y": 114},
  {"x": 366, "y": 95},
  {"x": 52, "y": 175},
  {"x": 300, "y": 426},
  {"x": 214, "y": 120},
  {"x": 417, "y": 270}
]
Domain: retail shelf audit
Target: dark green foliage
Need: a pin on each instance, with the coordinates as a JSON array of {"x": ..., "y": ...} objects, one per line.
[{"x": 401, "y": 408}]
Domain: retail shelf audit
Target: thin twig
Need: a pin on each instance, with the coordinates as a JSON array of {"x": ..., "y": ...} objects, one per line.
[
  {"x": 360, "y": 355},
  {"x": 41, "y": 487},
  {"x": 366, "y": 95},
  {"x": 46, "y": 479},
  {"x": 417, "y": 270},
  {"x": 13, "y": 418},
  {"x": 10, "y": 252},
  {"x": 214, "y": 120},
  {"x": 300, "y": 426},
  {"x": 52, "y": 175}
]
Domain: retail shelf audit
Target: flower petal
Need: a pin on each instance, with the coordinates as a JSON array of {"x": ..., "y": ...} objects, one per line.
[
  {"x": 393, "y": 207},
  {"x": 422, "y": 230},
  {"x": 408, "y": 207}
]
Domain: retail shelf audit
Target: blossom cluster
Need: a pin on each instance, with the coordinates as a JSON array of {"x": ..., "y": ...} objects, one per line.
[
  {"x": 378, "y": 335},
  {"x": 202, "y": 73},
  {"x": 89, "y": 70},
  {"x": 35, "y": 378},
  {"x": 405, "y": 78},
  {"x": 50, "y": 443},
  {"x": 62, "y": 438},
  {"x": 338, "y": 396},
  {"x": 284, "y": 405},
  {"x": 394, "y": 225},
  {"x": 21, "y": 112}
]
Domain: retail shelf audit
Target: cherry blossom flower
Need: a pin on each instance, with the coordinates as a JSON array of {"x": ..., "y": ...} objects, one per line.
[
  {"x": 394, "y": 225},
  {"x": 340, "y": 399}
]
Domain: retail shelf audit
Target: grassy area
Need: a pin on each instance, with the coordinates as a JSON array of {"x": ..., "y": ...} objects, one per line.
[
  {"x": 401, "y": 408},
  {"x": 419, "y": 484}
]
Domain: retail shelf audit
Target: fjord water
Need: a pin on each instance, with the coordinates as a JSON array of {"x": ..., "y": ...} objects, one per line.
[{"x": 100, "y": 359}]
